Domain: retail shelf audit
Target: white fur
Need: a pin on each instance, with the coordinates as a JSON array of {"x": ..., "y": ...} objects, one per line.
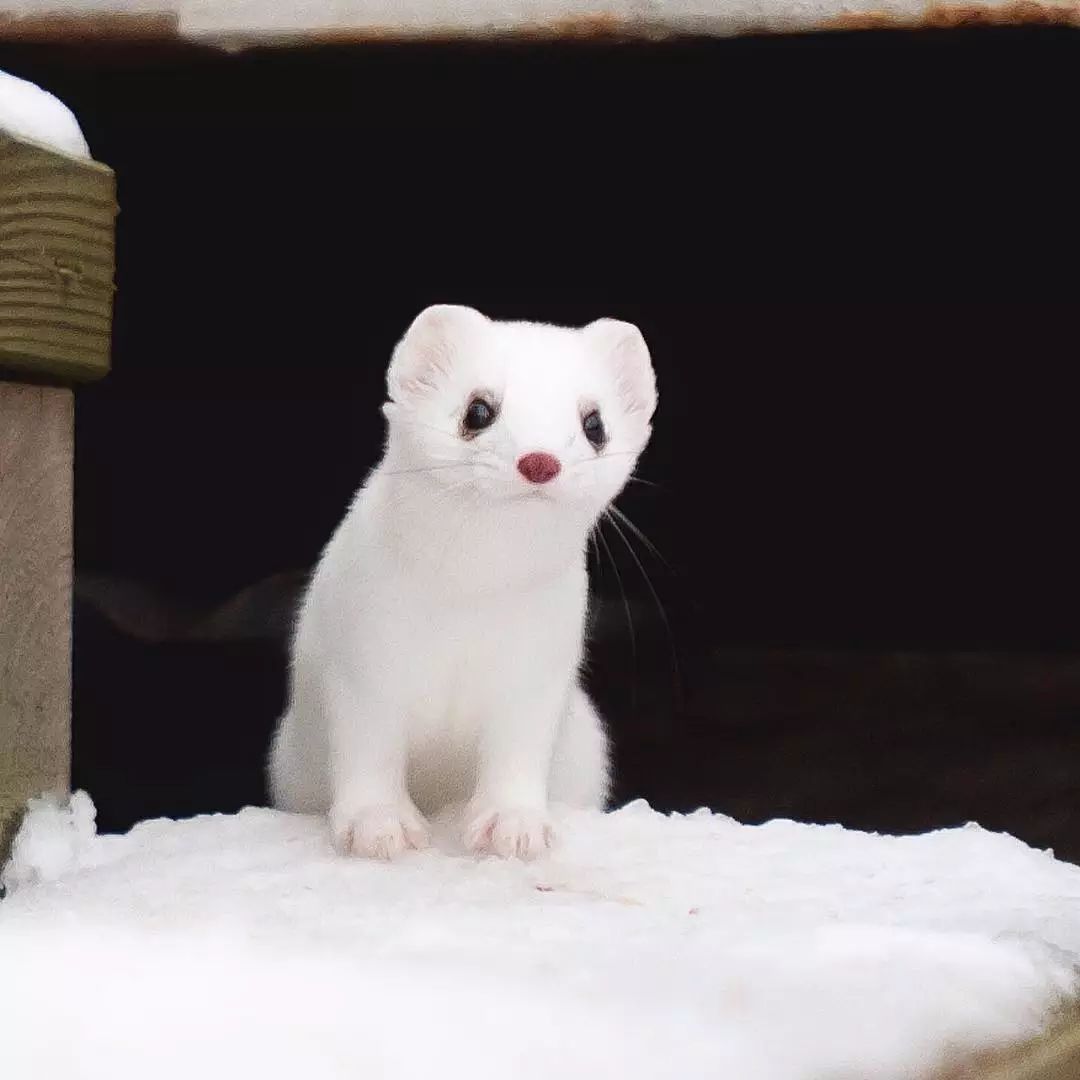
[{"x": 437, "y": 651}]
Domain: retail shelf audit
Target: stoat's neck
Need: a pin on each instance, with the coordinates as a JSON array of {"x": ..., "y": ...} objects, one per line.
[{"x": 470, "y": 543}]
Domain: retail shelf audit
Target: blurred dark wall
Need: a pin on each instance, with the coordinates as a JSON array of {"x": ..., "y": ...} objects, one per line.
[{"x": 854, "y": 259}]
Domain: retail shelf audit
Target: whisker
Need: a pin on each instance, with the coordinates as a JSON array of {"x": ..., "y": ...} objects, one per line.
[
  {"x": 650, "y": 546},
  {"x": 410, "y": 421},
  {"x": 629, "y": 617},
  {"x": 600, "y": 457},
  {"x": 659, "y": 605},
  {"x": 647, "y": 483},
  {"x": 430, "y": 468}
]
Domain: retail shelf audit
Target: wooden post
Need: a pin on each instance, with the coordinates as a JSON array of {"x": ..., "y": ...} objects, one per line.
[
  {"x": 56, "y": 271},
  {"x": 35, "y": 594},
  {"x": 57, "y": 218}
]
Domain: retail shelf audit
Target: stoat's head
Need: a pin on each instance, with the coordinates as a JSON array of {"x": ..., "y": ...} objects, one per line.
[{"x": 520, "y": 411}]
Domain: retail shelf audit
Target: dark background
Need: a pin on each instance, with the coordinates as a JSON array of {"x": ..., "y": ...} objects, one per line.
[{"x": 854, "y": 259}]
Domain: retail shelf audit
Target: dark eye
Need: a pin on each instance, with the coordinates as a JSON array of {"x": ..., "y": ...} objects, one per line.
[
  {"x": 478, "y": 416},
  {"x": 593, "y": 427}
]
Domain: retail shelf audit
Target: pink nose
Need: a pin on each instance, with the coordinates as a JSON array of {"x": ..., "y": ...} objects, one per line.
[{"x": 539, "y": 468}]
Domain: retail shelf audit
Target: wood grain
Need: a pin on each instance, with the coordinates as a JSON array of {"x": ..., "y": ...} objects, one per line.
[
  {"x": 1054, "y": 1055},
  {"x": 57, "y": 226},
  {"x": 36, "y": 444}
]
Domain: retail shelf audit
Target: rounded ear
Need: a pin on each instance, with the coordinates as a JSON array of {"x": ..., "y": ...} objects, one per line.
[
  {"x": 423, "y": 357},
  {"x": 623, "y": 348}
]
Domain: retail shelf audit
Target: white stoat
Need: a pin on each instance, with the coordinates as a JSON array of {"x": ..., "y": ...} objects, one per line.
[{"x": 437, "y": 650}]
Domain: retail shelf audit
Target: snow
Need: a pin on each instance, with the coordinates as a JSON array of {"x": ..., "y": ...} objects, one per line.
[
  {"x": 247, "y": 22},
  {"x": 35, "y": 115},
  {"x": 55, "y": 839},
  {"x": 645, "y": 946}
]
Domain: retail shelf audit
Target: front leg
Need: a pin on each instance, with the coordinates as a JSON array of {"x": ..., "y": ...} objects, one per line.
[
  {"x": 508, "y": 814},
  {"x": 371, "y": 814}
]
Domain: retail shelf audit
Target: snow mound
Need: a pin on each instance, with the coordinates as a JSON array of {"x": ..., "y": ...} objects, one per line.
[
  {"x": 53, "y": 840},
  {"x": 35, "y": 115},
  {"x": 645, "y": 946}
]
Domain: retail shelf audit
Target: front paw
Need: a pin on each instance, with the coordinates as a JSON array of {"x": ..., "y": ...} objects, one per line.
[
  {"x": 382, "y": 831},
  {"x": 512, "y": 832}
]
